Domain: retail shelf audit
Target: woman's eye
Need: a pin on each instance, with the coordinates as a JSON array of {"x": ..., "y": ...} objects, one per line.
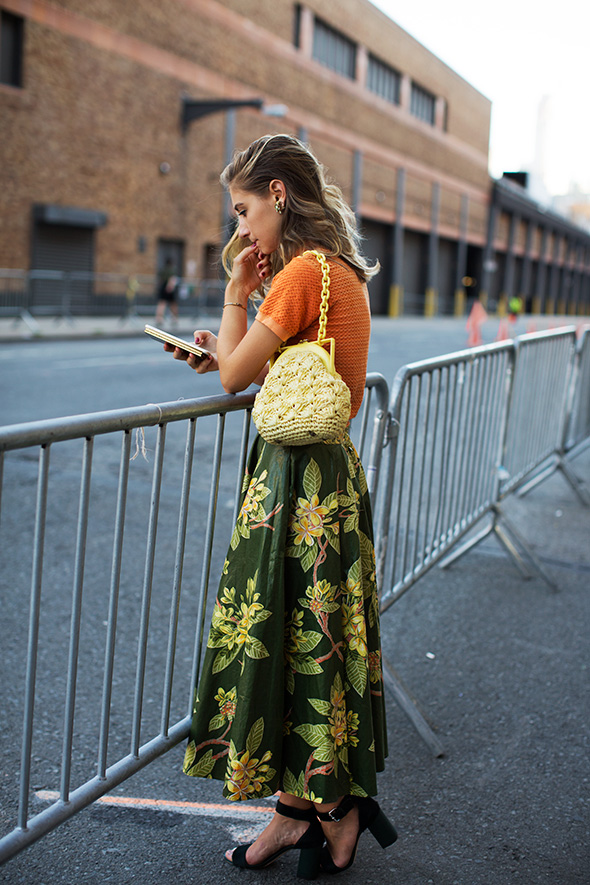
[{"x": 241, "y": 212}]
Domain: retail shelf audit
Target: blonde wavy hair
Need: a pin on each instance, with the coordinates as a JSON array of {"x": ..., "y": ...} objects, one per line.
[{"x": 316, "y": 214}]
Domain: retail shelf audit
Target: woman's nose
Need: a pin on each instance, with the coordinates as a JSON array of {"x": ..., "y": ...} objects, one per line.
[{"x": 243, "y": 228}]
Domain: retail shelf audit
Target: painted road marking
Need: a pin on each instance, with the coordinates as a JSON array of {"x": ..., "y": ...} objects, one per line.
[{"x": 206, "y": 809}]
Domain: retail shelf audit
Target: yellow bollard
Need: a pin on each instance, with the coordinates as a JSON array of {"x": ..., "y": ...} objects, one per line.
[
  {"x": 396, "y": 300},
  {"x": 459, "y": 302},
  {"x": 430, "y": 302}
]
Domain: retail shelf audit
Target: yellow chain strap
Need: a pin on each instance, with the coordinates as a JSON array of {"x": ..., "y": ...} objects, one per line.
[{"x": 325, "y": 294}]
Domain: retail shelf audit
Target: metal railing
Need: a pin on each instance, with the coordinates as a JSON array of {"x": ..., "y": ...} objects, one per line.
[
  {"x": 125, "y": 510},
  {"x": 456, "y": 441},
  {"x": 449, "y": 416},
  {"x": 577, "y": 435},
  {"x": 539, "y": 403}
]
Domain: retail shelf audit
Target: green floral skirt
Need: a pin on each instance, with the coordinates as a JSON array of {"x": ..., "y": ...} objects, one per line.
[{"x": 291, "y": 693}]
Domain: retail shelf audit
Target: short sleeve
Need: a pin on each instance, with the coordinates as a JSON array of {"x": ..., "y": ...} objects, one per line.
[{"x": 293, "y": 302}]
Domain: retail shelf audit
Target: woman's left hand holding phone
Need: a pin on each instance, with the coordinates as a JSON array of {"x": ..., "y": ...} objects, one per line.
[{"x": 208, "y": 341}]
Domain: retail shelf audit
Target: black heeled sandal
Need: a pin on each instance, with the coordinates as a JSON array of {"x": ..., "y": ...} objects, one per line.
[
  {"x": 370, "y": 817},
  {"x": 309, "y": 845}
]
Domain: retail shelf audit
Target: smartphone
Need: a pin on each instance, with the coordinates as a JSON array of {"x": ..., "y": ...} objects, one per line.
[{"x": 189, "y": 346}]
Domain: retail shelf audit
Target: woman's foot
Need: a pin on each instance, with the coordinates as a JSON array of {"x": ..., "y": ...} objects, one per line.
[
  {"x": 341, "y": 836},
  {"x": 342, "y": 825},
  {"x": 282, "y": 833}
]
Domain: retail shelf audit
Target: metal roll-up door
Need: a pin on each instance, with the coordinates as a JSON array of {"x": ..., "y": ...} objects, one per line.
[{"x": 58, "y": 251}]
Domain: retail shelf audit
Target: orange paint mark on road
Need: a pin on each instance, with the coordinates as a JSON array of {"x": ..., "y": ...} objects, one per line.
[{"x": 215, "y": 809}]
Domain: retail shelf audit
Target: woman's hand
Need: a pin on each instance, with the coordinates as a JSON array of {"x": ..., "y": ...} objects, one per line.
[
  {"x": 208, "y": 341},
  {"x": 250, "y": 268}
]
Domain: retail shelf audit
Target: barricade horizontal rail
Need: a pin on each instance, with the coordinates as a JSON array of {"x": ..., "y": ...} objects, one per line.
[{"x": 109, "y": 655}]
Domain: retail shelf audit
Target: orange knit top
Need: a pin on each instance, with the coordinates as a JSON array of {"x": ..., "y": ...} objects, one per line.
[{"x": 292, "y": 310}]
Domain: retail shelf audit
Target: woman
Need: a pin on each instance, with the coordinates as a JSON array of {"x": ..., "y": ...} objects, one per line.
[{"x": 291, "y": 694}]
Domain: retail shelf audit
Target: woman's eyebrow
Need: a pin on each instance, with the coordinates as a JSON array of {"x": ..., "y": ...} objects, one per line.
[{"x": 237, "y": 206}]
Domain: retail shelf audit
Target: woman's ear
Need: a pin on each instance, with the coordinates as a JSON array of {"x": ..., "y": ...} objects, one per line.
[{"x": 278, "y": 190}]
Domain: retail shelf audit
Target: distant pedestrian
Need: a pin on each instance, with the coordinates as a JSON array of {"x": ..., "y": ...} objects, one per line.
[
  {"x": 515, "y": 307},
  {"x": 167, "y": 293}
]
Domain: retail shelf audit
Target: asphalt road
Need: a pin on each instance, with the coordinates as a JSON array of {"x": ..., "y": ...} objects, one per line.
[
  {"x": 498, "y": 665},
  {"x": 50, "y": 378}
]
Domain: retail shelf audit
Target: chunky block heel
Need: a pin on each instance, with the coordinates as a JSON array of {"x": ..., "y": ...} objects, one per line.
[
  {"x": 309, "y": 863},
  {"x": 383, "y": 830}
]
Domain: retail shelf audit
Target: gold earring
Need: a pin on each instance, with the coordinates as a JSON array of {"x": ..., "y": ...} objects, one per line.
[{"x": 279, "y": 207}]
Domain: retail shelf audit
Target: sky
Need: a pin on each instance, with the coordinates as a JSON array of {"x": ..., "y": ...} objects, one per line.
[{"x": 519, "y": 54}]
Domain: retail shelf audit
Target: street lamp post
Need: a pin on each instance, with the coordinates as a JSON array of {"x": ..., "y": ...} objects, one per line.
[{"x": 194, "y": 109}]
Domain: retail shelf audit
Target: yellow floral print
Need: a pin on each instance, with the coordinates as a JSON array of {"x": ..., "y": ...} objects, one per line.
[
  {"x": 354, "y": 627},
  {"x": 247, "y": 776},
  {"x": 232, "y": 623}
]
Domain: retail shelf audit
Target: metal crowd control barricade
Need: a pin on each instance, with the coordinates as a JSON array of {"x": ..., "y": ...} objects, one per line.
[
  {"x": 537, "y": 417},
  {"x": 448, "y": 421},
  {"x": 577, "y": 436},
  {"x": 549, "y": 380},
  {"x": 116, "y": 509}
]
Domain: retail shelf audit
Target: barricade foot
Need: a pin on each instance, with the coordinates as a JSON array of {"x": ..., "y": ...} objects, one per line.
[
  {"x": 519, "y": 549},
  {"x": 393, "y": 684},
  {"x": 575, "y": 482},
  {"x": 466, "y": 546}
]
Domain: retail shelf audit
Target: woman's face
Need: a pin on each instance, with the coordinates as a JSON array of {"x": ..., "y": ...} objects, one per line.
[{"x": 258, "y": 220}]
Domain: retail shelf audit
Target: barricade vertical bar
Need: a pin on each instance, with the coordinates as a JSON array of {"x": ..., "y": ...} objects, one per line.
[
  {"x": 377, "y": 383},
  {"x": 457, "y": 383},
  {"x": 438, "y": 525},
  {"x": 435, "y": 386},
  {"x": 178, "y": 566},
  {"x": 207, "y": 551},
  {"x": 473, "y": 448},
  {"x": 33, "y": 642},
  {"x": 109, "y": 661},
  {"x": 364, "y": 421},
  {"x": 75, "y": 618},
  {"x": 1, "y": 482},
  {"x": 414, "y": 435},
  {"x": 422, "y": 468},
  {"x": 147, "y": 591}
]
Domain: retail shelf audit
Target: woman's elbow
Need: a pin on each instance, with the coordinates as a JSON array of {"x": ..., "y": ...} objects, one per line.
[{"x": 232, "y": 383}]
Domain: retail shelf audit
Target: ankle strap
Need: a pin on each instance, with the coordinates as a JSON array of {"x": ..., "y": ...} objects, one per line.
[
  {"x": 339, "y": 812},
  {"x": 295, "y": 813}
]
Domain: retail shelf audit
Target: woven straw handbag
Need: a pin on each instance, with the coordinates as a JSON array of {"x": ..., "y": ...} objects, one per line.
[{"x": 303, "y": 399}]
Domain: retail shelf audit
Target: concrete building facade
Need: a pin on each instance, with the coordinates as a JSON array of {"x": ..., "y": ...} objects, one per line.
[{"x": 103, "y": 171}]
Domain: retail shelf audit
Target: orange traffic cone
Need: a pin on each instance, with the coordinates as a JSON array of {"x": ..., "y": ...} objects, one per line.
[
  {"x": 503, "y": 331},
  {"x": 476, "y": 318}
]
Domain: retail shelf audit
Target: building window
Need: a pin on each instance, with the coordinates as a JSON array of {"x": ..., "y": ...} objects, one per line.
[
  {"x": 333, "y": 49},
  {"x": 11, "y": 49},
  {"x": 383, "y": 80},
  {"x": 297, "y": 26},
  {"x": 422, "y": 104}
]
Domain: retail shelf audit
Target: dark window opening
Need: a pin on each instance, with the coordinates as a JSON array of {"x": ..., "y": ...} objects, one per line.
[
  {"x": 11, "y": 49},
  {"x": 334, "y": 50},
  {"x": 297, "y": 26},
  {"x": 383, "y": 80},
  {"x": 422, "y": 104}
]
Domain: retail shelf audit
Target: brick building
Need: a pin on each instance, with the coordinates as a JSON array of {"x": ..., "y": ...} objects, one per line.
[{"x": 103, "y": 170}]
